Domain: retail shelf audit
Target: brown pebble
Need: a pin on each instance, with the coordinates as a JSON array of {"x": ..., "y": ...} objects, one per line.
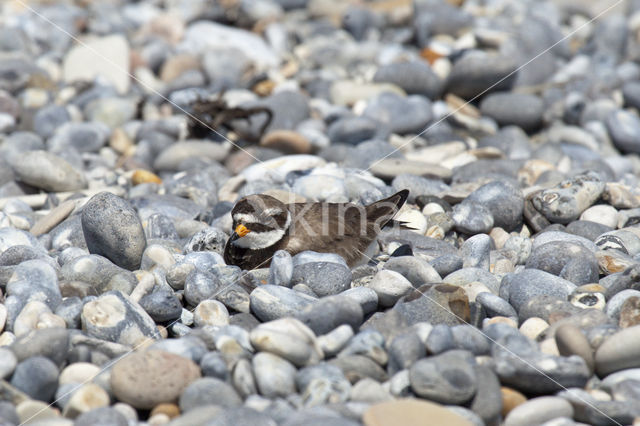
[
  {"x": 630, "y": 312},
  {"x": 171, "y": 410},
  {"x": 571, "y": 341},
  {"x": 286, "y": 141},
  {"x": 511, "y": 398},
  {"x": 144, "y": 176}
]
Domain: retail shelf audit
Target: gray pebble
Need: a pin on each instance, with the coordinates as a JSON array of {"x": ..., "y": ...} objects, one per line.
[
  {"x": 49, "y": 172},
  {"x": 415, "y": 77},
  {"x": 112, "y": 229},
  {"x": 522, "y": 110},
  {"x": 324, "y": 278},
  {"x": 330, "y": 312},
  {"x": 201, "y": 391},
  {"x": 433, "y": 377},
  {"x": 275, "y": 376},
  {"x": 37, "y": 377},
  {"x": 289, "y": 302}
]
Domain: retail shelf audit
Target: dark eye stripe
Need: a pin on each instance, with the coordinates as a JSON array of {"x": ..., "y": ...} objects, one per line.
[{"x": 259, "y": 227}]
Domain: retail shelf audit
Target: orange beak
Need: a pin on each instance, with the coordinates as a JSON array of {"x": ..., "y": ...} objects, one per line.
[{"x": 242, "y": 230}]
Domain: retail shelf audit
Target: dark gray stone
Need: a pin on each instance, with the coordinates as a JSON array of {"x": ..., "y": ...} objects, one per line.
[
  {"x": 37, "y": 377},
  {"x": 113, "y": 229},
  {"x": 415, "y": 77}
]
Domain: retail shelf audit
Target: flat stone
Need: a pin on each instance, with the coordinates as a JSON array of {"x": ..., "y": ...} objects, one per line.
[
  {"x": 82, "y": 63},
  {"x": 619, "y": 352},
  {"x": 146, "y": 379},
  {"x": 49, "y": 172}
]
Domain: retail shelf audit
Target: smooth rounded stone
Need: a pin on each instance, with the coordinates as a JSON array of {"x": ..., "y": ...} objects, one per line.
[
  {"x": 551, "y": 236},
  {"x": 84, "y": 399},
  {"x": 622, "y": 240},
  {"x": 366, "y": 297},
  {"x": 145, "y": 379},
  {"x": 320, "y": 187},
  {"x": 78, "y": 372},
  {"x": 358, "y": 367},
  {"x": 47, "y": 119},
  {"x": 324, "y": 278},
  {"x": 614, "y": 304},
  {"x": 448, "y": 378},
  {"x": 188, "y": 346},
  {"x": 475, "y": 252},
  {"x": 354, "y": 130},
  {"x": 115, "y": 318},
  {"x": 411, "y": 412},
  {"x": 414, "y": 269},
  {"x": 435, "y": 304},
  {"x": 334, "y": 341},
  {"x": 389, "y": 286},
  {"x": 171, "y": 158},
  {"x": 522, "y": 366},
  {"x": 243, "y": 379},
  {"x": 100, "y": 273},
  {"x": 476, "y": 71},
  {"x": 207, "y": 239},
  {"x": 414, "y": 77},
  {"x": 587, "y": 229},
  {"x": 417, "y": 185},
  {"x": 624, "y": 128},
  {"x": 566, "y": 202},
  {"x": 465, "y": 276},
  {"x": 446, "y": 264},
  {"x": 162, "y": 305},
  {"x": 539, "y": 410},
  {"x": 213, "y": 364},
  {"x": 36, "y": 376},
  {"x": 469, "y": 338},
  {"x": 201, "y": 286},
  {"x": 472, "y": 218},
  {"x": 403, "y": 115},
  {"x": 330, "y": 312},
  {"x": 602, "y": 214},
  {"x": 570, "y": 261},
  {"x": 112, "y": 229},
  {"x": 52, "y": 343},
  {"x": 504, "y": 200},
  {"x": 281, "y": 269},
  {"x": 495, "y": 306},
  {"x": 547, "y": 307},
  {"x": 309, "y": 256},
  {"x": 523, "y": 286},
  {"x": 287, "y": 142},
  {"x": 207, "y": 389},
  {"x": 404, "y": 351},
  {"x": 82, "y": 137},
  {"x": 8, "y": 413},
  {"x": 288, "y": 338},
  {"x": 487, "y": 403},
  {"x": 440, "y": 339},
  {"x": 275, "y": 376},
  {"x": 618, "y": 352},
  {"x": 102, "y": 415},
  {"x": 8, "y": 363},
  {"x": 270, "y": 302},
  {"x": 571, "y": 341},
  {"x": 518, "y": 109},
  {"x": 210, "y": 312},
  {"x": 48, "y": 172}
]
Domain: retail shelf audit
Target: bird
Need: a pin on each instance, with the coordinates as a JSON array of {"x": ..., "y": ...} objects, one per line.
[{"x": 263, "y": 225}]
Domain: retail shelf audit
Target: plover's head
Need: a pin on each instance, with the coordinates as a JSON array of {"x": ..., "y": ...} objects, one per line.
[{"x": 259, "y": 221}]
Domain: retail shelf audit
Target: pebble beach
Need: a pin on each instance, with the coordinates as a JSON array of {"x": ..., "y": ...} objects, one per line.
[{"x": 129, "y": 129}]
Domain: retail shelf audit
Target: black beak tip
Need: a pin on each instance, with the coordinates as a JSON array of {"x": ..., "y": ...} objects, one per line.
[{"x": 233, "y": 237}]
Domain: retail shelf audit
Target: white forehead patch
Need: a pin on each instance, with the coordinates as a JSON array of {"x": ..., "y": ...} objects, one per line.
[{"x": 245, "y": 218}]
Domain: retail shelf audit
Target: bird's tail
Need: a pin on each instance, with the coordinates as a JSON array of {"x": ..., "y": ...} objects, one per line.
[{"x": 381, "y": 212}]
